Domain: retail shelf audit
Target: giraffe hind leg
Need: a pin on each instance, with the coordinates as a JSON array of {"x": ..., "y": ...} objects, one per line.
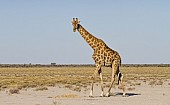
[
  {"x": 115, "y": 70},
  {"x": 111, "y": 84}
]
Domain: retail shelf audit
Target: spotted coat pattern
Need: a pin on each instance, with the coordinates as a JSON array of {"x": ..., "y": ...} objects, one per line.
[{"x": 103, "y": 56}]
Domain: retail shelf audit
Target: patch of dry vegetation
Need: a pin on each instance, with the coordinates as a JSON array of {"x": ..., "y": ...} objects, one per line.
[
  {"x": 41, "y": 88},
  {"x": 67, "y": 96},
  {"x": 155, "y": 82},
  {"x": 76, "y": 78},
  {"x": 14, "y": 91},
  {"x": 131, "y": 88}
]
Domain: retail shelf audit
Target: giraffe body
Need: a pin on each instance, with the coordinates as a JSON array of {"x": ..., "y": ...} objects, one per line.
[{"x": 103, "y": 56}]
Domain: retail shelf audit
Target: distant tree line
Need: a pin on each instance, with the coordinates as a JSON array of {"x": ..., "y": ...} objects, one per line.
[{"x": 76, "y": 65}]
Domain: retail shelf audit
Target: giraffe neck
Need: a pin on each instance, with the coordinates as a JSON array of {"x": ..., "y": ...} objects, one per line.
[{"x": 89, "y": 38}]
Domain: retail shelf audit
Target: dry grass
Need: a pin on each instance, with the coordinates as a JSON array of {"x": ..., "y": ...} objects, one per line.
[
  {"x": 14, "y": 91},
  {"x": 131, "y": 88},
  {"x": 155, "y": 82},
  {"x": 41, "y": 88},
  {"x": 77, "y": 77},
  {"x": 67, "y": 96},
  {"x": 72, "y": 87}
]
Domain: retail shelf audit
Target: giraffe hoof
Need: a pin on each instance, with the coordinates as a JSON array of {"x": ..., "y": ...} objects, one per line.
[
  {"x": 102, "y": 95},
  {"x": 124, "y": 95},
  {"x": 108, "y": 95},
  {"x": 91, "y": 96}
]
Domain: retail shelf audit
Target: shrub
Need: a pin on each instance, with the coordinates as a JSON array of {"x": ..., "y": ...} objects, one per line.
[{"x": 14, "y": 91}]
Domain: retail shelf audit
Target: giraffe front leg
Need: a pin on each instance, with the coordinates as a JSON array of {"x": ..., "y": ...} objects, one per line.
[
  {"x": 93, "y": 78},
  {"x": 91, "y": 91},
  {"x": 101, "y": 77}
]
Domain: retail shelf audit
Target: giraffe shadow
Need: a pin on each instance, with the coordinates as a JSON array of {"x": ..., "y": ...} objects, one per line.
[
  {"x": 117, "y": 94},
  {"x": 127, "y": 94}
]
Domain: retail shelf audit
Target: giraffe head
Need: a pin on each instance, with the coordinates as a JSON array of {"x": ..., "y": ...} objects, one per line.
[{"x": 75, "y": 23}]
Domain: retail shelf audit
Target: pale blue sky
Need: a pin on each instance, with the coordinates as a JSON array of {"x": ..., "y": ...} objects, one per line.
[{"x": 40, "y": 31}]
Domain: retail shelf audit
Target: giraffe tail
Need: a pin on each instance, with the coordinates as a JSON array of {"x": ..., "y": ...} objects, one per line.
[
  {"x": 120, "y": 62},
  {"x": 119, "y": 77}
]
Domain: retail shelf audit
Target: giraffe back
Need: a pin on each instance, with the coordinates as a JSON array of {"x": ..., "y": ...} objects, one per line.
[{"x": 104, "y": 55}]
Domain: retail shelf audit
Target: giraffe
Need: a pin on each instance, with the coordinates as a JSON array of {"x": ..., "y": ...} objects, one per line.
[{"x": 103, "y": 56}]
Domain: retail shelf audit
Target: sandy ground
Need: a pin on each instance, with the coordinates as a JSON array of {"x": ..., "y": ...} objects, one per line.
[{"x": 143, "y": 94}]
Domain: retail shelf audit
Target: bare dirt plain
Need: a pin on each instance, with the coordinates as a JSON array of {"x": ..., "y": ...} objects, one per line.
[{"x": 71, "y": 86}]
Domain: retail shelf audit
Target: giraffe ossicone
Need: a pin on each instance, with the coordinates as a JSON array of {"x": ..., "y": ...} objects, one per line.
[{"x": 103, "y": 56}]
